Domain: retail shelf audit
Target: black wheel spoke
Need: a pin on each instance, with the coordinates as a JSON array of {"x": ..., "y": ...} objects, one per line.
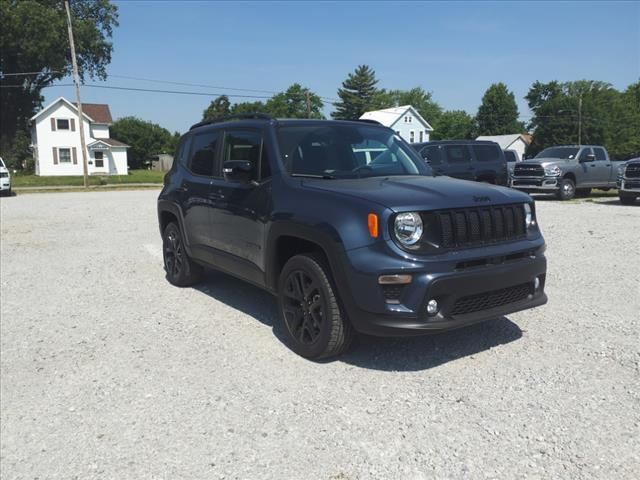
[{"x": 302, "y": 307}]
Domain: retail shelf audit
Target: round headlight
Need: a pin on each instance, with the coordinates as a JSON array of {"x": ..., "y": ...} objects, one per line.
[
  {"x": 408, "y": 228},
  {"x": 528, "y": 216}
]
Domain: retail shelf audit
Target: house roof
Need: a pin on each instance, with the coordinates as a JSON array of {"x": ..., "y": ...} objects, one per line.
[
  {"x": 389, "y": 116},
  {"x": 99, "y": 112},
  {"x": 109, "y": 142},
  {"x": 505, "y": 141},
  {"x": 94, "y": 112}
]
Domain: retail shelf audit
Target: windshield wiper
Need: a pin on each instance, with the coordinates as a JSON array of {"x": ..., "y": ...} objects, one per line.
[{"x": 308, "y": 175}]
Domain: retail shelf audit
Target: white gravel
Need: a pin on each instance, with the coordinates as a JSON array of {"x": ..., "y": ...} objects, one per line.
[{"x": 107, "y": 371}]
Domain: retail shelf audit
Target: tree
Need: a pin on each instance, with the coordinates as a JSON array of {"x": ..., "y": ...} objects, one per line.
[
  {"x": 422, "y": 101},
  {"x": 357, "y": 94},
  {"x": 249, "y": 107},
  {"x": 219, "y": 107},
  {"x": 498, "y": 113},
  {"x": 34, "y": 39},
  {"x": 454, "y": 125},
  {"x": 145, "y": 139},
  {"x": 296, "y": 102}
]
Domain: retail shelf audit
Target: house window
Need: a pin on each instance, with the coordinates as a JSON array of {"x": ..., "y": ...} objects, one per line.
[
  {"x": 421, "y": 136},
  {"x": 64, "y": 154},
  {"x": 62, "y": 124},
  {"x": 410, "y": 119},
  {"x": 99, "y": 157},
  {"x": 412, "y": 136}
]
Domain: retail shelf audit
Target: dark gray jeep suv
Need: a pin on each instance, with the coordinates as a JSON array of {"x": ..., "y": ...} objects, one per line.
[{"x": 346, "y": 225}]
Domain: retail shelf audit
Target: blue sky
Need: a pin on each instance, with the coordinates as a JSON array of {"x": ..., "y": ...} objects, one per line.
[{"x": 454, "y": 49}]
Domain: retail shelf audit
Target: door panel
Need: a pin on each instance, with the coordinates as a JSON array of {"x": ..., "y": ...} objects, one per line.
[{"x": 588, "y": 169}]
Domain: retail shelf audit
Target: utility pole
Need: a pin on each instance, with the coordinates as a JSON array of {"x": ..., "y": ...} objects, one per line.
[
  {"x": 308, "y": 104},
  {"x": 580, "y": 119},
  {"x": 76, "y": 80}
]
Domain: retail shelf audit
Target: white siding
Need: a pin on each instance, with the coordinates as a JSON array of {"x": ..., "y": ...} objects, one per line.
[
  {"x": 405, "y": 129},
  {"x": 519, "y": 146},
  {"x": 99, "y": 131}
]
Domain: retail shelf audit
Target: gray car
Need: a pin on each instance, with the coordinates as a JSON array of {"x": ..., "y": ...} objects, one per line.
[{"x": 566, "y": 171}]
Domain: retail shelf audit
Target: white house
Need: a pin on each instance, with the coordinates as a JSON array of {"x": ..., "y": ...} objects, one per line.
[
  {"x": 405, "y": 120},
  {"x": 516, "y": 141},
  {"x": 56, "y": 140}
]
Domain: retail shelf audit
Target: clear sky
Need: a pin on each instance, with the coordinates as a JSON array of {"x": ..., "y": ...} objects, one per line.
[{"x": 453, "y": 49}]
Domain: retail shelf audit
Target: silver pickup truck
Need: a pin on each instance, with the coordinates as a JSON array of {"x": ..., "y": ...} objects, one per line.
[{"x": 566, "y": 171}]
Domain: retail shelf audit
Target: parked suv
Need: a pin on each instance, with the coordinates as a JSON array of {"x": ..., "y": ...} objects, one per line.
[
  {"x": 628, "y": 181},
  {"x": 379, "y": 247},
  {"x": 479, "y": 160}
]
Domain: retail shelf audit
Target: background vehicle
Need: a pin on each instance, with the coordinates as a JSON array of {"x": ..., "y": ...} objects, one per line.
[
  {"x": 381, "y": 248},
  {"x": 511, "y": 156},
  {"x": 5, "y": 179},
  {"x": 566, "y": 171},
  {"x": 478, "y": 160},
  {"x": 628, "y": 181}
]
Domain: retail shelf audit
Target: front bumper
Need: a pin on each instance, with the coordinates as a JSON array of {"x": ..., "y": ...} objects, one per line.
[
  {"x": 536, "y": 184},
  {"x": 466, "y": 291},
  {"x": 5, "y": 184},
  {"x": 631, "y": 185}
]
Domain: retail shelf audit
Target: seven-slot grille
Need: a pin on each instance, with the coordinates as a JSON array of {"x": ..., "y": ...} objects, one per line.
[
  {"x": 632, "y": 171},
  {"x": 528, "y": 170},
  {"x": 476, "y": 226}
]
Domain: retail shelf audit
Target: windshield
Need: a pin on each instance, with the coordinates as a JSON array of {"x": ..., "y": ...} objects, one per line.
[
  {"x": 346, "y": 151},
  {"x": 568, "y": 153}
]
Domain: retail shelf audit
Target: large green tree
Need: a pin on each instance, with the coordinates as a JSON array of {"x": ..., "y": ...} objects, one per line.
[
  {"x": 498, "y": 112},
  {"x": 421, "y": 100},
  {"x": 296, "y": 102},
  {"x": 219, "y": 107},
  {"x": 145, "y": 139},
  {"x": 357, "y": 94},
  {"x": 34, "y": 39},
  {"x": 585, "y": 111},
  {"x": 454, "y": 125}
]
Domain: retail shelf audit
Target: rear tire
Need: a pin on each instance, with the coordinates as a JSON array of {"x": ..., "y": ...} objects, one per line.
[
  {"x": 181, "y": 270},
  {"x": 314, "y": 322},
  {"x": 567, "y": 189},
  {"x": 627, "y": 199}
]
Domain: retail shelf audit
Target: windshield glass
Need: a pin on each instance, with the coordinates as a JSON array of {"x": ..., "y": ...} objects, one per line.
[
  {"x": 346, "y": 151},
  {"x": 568, "y": 153}
]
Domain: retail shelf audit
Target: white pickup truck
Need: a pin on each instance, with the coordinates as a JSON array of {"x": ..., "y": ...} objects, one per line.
[{"x": 5, "y": 179}]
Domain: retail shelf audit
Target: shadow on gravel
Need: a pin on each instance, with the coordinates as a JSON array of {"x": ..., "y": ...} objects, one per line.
[{"x": 389, "y": 354}]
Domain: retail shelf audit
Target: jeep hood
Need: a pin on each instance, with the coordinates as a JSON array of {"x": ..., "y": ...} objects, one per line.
[{"x": 414, "y": 192}]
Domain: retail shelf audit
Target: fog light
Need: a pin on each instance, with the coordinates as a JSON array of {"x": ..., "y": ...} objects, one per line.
[
  {"x": 432, "y": 307},
  {"x": 536, "y": 283}
]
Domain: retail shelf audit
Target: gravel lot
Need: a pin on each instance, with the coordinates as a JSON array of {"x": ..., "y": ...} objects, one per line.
[{"x": 107, "y": 371}]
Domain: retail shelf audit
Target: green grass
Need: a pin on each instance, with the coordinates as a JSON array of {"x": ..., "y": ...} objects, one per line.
[{"x": 135, "y": 176}]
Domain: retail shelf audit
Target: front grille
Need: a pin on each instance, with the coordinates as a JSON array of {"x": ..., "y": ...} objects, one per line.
[
  {"x": 469, "y": 227},
  {"x": 632, "y": 171},
  {"x": 493, "y": 299},
  {"x": 528, "y": 170},
  {"x": 631, "y": 185}
]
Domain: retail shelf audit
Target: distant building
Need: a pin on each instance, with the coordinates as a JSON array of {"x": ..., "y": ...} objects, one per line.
[
  {"x": 56, "y": 140},
  {"x": 516, "y": 141},
  {"x": 405, "y": 121},
  {"x": 161, "y": 162}
]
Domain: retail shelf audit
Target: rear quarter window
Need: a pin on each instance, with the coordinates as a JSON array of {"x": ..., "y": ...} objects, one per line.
[{"x": 457, "y": 154}]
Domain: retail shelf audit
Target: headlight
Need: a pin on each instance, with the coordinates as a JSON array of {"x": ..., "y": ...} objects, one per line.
[
  {"x": 621, "y": 171},
  {"x": 552, "y": 171},
  {"x": 408, "y": 228},
  {"x": 528, "y": 216}
]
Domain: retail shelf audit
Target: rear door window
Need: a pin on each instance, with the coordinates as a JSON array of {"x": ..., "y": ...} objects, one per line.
[
  {"x": 486, "y": 153},
  {"x": 457, "y": 154},
  {"x": 204, "y": 152}
]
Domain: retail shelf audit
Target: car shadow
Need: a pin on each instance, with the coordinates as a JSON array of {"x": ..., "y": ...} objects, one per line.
[{"x": 376, "y": 353}]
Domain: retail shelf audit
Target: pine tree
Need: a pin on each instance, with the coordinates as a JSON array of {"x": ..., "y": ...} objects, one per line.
[
  {"x": 357, "y": 94},
  {"x": 498, "y": 113}
]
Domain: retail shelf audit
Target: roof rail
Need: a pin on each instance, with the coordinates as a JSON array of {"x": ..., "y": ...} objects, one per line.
[
  {"x": 238, "y": 116},
  {"x": 368, "y": 120}
]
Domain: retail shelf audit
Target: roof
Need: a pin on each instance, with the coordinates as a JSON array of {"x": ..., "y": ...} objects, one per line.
[
  {"x": 505, "y": 141},
  {"x": 99, "y": 112},
  {"x": 389, "y": 116},
  {"x": 94, "y": 112},
  {"x": 110, "y": 142}
]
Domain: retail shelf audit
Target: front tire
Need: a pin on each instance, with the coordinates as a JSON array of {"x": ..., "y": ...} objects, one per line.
[
  {"x": 181, "y": 270},
  {"x": 314, "y": 322},
  {"x": 626, "y": 199},
  {"x": 567, "y": 189}
]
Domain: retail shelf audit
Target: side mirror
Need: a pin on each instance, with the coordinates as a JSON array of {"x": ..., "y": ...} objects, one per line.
[
  {"x": 237, "y": 170},
  {"x": 589, "y": 158}
]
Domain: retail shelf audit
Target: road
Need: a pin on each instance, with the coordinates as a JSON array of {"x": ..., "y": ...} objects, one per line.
[{"x": 107, "y": 371}]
